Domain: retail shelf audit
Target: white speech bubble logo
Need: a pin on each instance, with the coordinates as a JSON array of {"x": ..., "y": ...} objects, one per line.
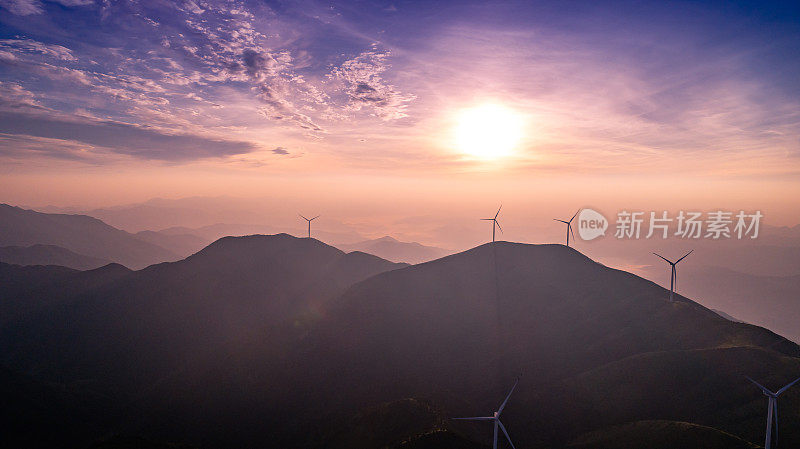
[{"x": 591, "y": 224}]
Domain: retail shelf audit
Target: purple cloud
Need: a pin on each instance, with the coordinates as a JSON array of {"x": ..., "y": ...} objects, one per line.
[
  {"x": 28, "y": 7},
  {"x": 141, "y": 142},
  {"x": 366, "y": 89}
]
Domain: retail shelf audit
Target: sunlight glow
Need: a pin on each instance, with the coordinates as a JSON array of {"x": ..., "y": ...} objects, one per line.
[{"x": 488, "y": 132}]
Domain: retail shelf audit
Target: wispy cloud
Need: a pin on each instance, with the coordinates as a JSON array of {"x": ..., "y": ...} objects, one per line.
[
  {"x": 106, "y": 136},
  {"x": 28, "y": 7},
  {"x": 22, "y": 7},
  {"x": 366, "y": 89}
]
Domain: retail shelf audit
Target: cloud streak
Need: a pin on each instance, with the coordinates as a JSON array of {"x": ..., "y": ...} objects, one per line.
[{"x": 113, "y": 137}]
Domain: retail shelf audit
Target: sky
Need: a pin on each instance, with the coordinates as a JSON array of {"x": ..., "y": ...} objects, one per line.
[{"x": 649, "y": 105}]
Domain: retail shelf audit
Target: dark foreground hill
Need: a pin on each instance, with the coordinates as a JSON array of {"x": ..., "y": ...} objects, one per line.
[
  {"x": 30, "y": 290},
  {"x": 464, "y": 326},
  {"x": 78, "y": 233},
  {"x": 143, "y": 326},
  {"x": 282, "y": 342}
]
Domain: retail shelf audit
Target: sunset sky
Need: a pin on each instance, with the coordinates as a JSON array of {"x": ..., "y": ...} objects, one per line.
[{"x": 403, "y": 108}]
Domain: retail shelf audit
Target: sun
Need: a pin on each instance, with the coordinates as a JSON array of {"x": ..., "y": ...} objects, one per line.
[{"x": 488, "y": 131}]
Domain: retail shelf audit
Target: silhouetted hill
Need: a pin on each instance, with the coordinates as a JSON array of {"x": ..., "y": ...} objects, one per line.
[
  {"x": 218, "y": 230},
  {"x": 456, "y": 325},
  {"x": 284, "y": 342},
  {"x": 78, "y": 233},
  {"x": 394, "y": 250},
  {"x": 25, "y": 290},
  {"x": 49, "y": 255},
  {"x": 152, "y": 322}
]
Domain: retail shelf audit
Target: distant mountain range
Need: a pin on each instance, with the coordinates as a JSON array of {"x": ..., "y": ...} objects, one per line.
[
  {"x": 183, "y": 245},
  {"x": 280, "y": 341},
  {"x": 390, "y": 248},
  {"x": 63, "y": 239},
  {"x": 80, "y": 234},
  {"x": 211, "y": 218},
  {"x": 49, "y": 255}
]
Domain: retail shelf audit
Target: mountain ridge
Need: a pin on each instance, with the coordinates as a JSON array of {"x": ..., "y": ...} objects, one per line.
[
  {"x": 268, "y": 338},
  {"x": 78, "y": 233},
  {"x": 39, "y": 254}
]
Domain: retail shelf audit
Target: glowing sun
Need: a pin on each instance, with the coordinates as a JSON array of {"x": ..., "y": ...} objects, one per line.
[{"x": 488, "y": 132}]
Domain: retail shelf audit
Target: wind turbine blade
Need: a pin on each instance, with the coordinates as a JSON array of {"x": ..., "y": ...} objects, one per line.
[
  {"x": 486, "y": 219},
  {"x": 498, "y": 225},
  {"x": 569, "y": 225},
  {"x": 315, "y": 217},
  {"x": 763, "y": 388},
  {"x": 690, "y": 252},
  {"x": 573, "y": 217},
  {"x": 476, "y": 418},
  {"x": 777, "y": 393},
  {"x": 659, "y": 255},
  {"x": 505, "y": 432},
  {"x": 503, "y": 405},
  {"x": 304, "y": 218},
  {"x": 562, "y": 221},
  {"x": 498, "y": 211}
]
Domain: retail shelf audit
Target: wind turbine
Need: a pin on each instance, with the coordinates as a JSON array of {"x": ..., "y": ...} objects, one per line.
[
  {"x": 496, "y": 419},
  {"x": 569, "y": 225},
  {"x": 673, "y": 278},
  {"x": 772, "y": 409},
  {"x": 494, "y": 222},
  {"x": 309, "y": 220}
]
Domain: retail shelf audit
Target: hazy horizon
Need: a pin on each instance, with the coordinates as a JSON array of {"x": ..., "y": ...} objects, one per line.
[
  {"x": 340, "y": 107},
  {"x": 458, "y": 229}
]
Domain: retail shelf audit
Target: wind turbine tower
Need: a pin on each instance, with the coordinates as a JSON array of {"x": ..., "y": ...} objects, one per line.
[
  {"x": 309, "y": 220},
  {"x": 772, "y": 409},
  {"x": 673, "y": 277},
  {"x": 569, "y": 226}
]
